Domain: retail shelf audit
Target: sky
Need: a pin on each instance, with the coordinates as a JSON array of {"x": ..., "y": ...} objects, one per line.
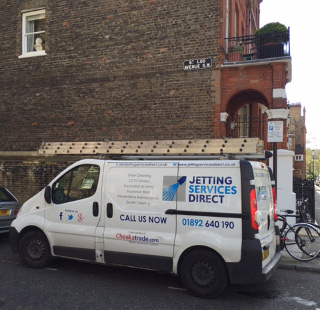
[{"x": 303, "y": 19}]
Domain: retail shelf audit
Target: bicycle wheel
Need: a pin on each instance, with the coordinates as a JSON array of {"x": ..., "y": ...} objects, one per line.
[
  {"x": 308, "y": 239},
  {"x": 302, "y": 242}
]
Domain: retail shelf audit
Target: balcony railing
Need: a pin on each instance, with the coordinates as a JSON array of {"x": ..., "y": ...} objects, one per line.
[{"x": 271, "y": 45}]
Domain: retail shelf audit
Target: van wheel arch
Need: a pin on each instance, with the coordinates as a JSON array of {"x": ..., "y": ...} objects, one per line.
[
  {"x": 203, "y": 272},
  {"x": 192, "y": 249},
  {"x": 27, "y": 229},
  {"x": 34, "y": 248}
]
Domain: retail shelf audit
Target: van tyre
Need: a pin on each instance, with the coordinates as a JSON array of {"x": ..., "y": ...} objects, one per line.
[
  {"x": 34, "y": 249},
  {"x": 204, "y": 274}
]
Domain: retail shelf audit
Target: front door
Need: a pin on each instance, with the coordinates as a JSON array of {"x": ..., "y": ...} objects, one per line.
[{"x": 74, "y": 214}]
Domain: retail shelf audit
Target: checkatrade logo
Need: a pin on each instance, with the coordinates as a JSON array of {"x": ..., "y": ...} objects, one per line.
[{"x": 173, "y": 189}]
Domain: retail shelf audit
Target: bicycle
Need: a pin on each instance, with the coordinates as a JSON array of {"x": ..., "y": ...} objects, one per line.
[
  {"x": 304, "y": 212},
  {"x": 301, "y": 240}
]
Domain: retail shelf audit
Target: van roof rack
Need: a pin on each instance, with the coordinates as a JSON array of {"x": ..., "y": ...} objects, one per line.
[{"x": 229, "y": 147}]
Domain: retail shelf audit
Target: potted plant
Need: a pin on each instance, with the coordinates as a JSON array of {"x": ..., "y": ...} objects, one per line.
[
  {"x": 235, "y": 52},
  {"x": 270, "y": 40}
]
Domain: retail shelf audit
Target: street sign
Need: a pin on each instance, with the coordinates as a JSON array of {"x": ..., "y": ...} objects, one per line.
[
  {"x": 275, "y": 131},
  {"x": 202, "y": 63}
]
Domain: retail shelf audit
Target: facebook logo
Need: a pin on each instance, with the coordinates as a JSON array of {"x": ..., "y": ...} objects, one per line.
[{"x": 60, "y": 216}]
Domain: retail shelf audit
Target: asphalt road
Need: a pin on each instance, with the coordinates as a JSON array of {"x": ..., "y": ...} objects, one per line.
[{"x": 74, "y": 285}]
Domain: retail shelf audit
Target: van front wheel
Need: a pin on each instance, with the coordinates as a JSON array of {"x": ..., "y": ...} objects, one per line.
[
  {"x": 204, "y": 274},
  {"x": 34, "y": 249}
]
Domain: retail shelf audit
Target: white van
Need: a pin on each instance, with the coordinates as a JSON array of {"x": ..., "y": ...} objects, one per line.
[{"x": 209, "y": 221}]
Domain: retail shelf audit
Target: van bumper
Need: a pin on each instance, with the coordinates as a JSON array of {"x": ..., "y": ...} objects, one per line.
[
  {"x": 249, "y": 270},
  {"x": 14, "y": 239},
  {"x": 269, "y": 270}
]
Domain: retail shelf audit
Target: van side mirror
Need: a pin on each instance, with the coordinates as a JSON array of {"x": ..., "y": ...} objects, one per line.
[{"x": 47, "y": 194}]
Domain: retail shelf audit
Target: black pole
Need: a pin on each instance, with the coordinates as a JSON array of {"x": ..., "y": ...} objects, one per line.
[
  {"x": 275, "y": 159},
  {"x": 313, "y": 165}
]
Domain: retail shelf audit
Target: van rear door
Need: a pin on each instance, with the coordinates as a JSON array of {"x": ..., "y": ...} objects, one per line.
[{"x": 261, "y": 198}]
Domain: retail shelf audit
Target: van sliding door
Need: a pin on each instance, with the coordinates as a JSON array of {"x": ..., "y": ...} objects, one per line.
[{"x": 138, "y": 232}]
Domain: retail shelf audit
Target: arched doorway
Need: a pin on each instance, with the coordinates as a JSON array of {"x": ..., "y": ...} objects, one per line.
[{"x": 247, "y": 117}]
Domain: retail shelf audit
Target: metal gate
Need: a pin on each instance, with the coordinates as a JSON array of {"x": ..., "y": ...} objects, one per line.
[{"x": 305, "y": 193}]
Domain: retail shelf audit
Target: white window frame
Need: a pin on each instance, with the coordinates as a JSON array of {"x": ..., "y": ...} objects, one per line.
[
  {"x": 25, "y": 52},
  {"x": 298, "y": 157}
]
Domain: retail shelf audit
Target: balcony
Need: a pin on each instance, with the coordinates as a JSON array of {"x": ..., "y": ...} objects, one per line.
[{"x": 257, "y": 47}]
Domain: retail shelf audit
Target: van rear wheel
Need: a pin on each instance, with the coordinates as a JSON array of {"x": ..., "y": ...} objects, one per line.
[
  {"x": 203, "y": 273},
  {"x": 34, "y": 249}
]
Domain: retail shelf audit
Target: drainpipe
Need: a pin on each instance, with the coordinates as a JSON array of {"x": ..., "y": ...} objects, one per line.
[{"x": 227, "y": 24}]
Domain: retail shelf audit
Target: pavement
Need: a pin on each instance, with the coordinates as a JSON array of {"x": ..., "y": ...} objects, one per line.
[{"x": 287, "y": 262}]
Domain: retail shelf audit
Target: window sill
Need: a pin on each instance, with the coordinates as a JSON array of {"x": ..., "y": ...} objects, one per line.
[{"x": 33, "y": 54}]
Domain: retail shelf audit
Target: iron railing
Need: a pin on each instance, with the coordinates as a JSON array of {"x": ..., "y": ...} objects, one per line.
[
  {"x": 305, "y": 195},
  {"x": 271, "y": 45},
  {"x": 246, "y": 127}
]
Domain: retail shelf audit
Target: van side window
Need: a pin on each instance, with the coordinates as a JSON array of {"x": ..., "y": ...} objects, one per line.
[{"x": 79, "y": 183}]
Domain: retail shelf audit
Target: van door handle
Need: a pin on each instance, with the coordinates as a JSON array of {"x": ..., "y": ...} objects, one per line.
[
  {"x": 109, "y": 210},
  {"x": 95, "y": 209},
  {"x": 171, "y": 211}
]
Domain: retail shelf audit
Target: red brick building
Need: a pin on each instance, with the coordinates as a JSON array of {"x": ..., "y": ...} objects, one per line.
[
  {"x": 297, "y": 139},
  {"x": 130, "y": 70}
]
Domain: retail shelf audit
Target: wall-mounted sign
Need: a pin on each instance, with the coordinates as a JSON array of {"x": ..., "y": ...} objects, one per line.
[
  {"x": 275, "y": 131},
  {"x": 202, "y": 63}
]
